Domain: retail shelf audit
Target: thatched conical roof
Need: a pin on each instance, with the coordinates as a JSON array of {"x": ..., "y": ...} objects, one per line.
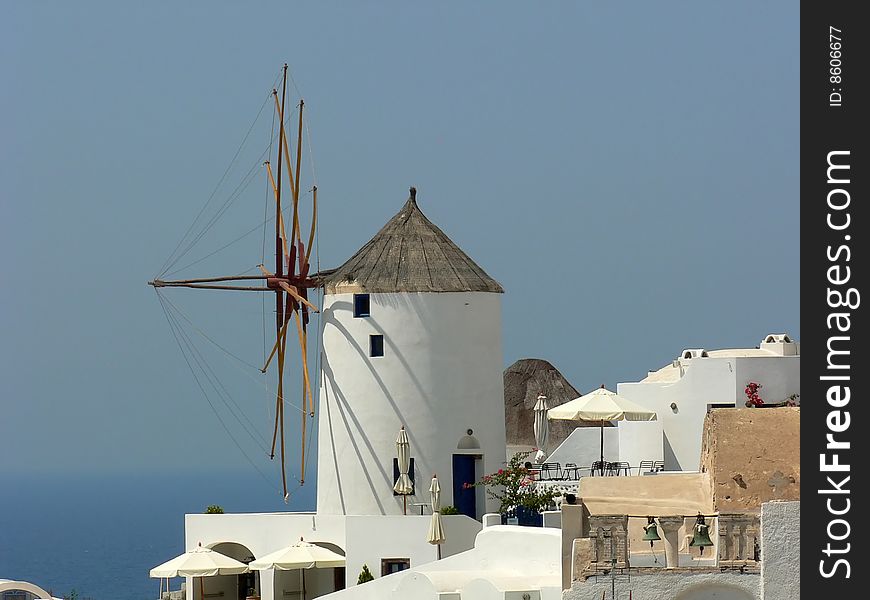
[
  {"x": 523, "y": 381},
  {"x": 409, "y": 254}
]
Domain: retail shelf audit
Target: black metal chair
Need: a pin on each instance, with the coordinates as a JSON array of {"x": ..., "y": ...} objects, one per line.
[
  {"x": 598, "y": 465},
  {"x": 551, "y": 471},
  {"x": 619, "y": 467},
  {"x": 659, "y": 465},
  {"x": 571, "y": 469}
]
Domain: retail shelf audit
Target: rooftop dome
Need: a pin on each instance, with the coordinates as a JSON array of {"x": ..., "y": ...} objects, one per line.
[{"x": 409, "y": 254}]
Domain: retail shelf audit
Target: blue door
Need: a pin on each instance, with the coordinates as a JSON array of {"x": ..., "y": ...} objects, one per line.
[{"x": 465, "y": 500}]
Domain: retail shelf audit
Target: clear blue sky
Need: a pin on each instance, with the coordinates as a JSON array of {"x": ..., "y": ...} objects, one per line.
[{"x": 628, "y": 171}]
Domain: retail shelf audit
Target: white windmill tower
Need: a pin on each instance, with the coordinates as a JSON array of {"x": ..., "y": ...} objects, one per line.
[{"x": 411, "y": 337}]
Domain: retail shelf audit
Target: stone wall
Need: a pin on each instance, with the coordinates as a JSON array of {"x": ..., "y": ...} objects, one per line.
[{"x": 752, "y": 455}]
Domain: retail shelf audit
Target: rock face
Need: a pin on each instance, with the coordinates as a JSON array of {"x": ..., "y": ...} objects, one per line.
[
  {"x": 753, "y": 456},
  {"x": 523, "y": 381}
]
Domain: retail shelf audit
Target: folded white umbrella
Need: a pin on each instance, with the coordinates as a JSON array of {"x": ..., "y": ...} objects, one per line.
[
  {"x": 600, "y": 406},
  {"x": 199, "y": 562},
  {"x": 436, "y": 528},
  {"x": 301, "y": 555},
  {"x": 542, "y": 429},
  {"x": 403, "y": 485}
]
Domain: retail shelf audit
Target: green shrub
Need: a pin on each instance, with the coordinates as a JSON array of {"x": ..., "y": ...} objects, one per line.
[
  {"x": 449, "y": 510},
  {"x": 214, "y": 509},
  {"x": 365, "y": 575}
]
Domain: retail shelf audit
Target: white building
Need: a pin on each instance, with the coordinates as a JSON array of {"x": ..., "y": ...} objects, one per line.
[
  {"x": 698, "y": 379},
  {"x": 411, "y": 338}
]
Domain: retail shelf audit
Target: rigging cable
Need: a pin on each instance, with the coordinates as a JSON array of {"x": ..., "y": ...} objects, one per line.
[
  {"x": 234, "y": 195},
  {"x": 228, "y": 353},
  {"x": 247, "y": 179},
  {"x": 205, "y": 395},
  {"x": 169, "y": 261},
  {"x": 217, "y": 385}
]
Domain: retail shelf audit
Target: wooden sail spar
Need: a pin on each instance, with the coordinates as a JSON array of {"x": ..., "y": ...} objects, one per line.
[{"x": 290, "y": 280}]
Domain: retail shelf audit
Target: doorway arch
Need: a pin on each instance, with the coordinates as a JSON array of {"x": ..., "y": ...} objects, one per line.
[{"x": 235, "y": 587}]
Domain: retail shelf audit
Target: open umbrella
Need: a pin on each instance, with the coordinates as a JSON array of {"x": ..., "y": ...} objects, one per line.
[
  {"x": 436, "y": 529},
  {"x": 199, "y": 562},
  {"x": 542, "y": 429},
  {"x": 301, "y": 555},
  {"x": 403, "y": 485},
  {"x": 601, "y": 405}
]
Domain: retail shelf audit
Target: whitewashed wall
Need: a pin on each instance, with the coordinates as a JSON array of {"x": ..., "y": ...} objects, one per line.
[
  {"x": 583, "y": 447},
  {"x": 441, "y": 374},
  {"x": 261, "y": 533},
  {"x": 365, "y": 540},
  {"x": 780, "y": 550},
  {"x": 672, "y": 586},
  {"x": 506, "y": 562},
  {"x": 711, "y": 380},
  {"x": 639, "y": 441}
]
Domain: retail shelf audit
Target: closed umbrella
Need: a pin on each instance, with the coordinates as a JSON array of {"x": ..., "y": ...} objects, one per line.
[
  {"x": 403, "y": 485},
  {"x": 436, "y": 528},
  {"x": 600, "y": 406},
  {"x": 199, "y": 562},
  {"x": 301, "y": 555},
  {"x": 542, "y": 429}
]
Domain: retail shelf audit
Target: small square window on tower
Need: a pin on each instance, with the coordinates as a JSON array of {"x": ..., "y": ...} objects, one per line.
[
  {"x": 361, "y": 305},
  {"x": 376, "y": 345}
]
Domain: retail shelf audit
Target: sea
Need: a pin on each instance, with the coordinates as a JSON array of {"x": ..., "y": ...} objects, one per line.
[{"x": 95, "y": 536}]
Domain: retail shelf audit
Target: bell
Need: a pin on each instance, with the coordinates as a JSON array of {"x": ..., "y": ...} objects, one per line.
[
  {"x": 651, "y": 531},
  {"x": 701, "y": 537}
]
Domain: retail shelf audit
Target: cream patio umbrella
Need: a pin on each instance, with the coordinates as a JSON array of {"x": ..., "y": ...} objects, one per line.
[
  {"x": 403, "y": 485},
  {"x": 436, "y": 528},
  {"x": 301, "y": 555},
  {"x": 199, "y": 562},
  {"x": 601, "y": 405},
  {"x": 542, "y": 429}
]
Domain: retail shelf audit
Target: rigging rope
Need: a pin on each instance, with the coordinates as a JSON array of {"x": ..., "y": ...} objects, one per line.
[
  {"x": 241, "y": 187},
  {"x": 258, "y": 381},
  {"x": 173, "y": 313},
  {"x": 216, "y": 383},
  {"x": 193, "y": 353},
  {"x": 247, "y": 179},
  {"x": 169, "y": 261},
  {"x": 205, "y": 395}
]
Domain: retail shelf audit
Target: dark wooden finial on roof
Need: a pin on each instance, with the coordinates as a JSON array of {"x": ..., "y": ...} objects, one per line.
[{"x": 413, "y": 193}]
